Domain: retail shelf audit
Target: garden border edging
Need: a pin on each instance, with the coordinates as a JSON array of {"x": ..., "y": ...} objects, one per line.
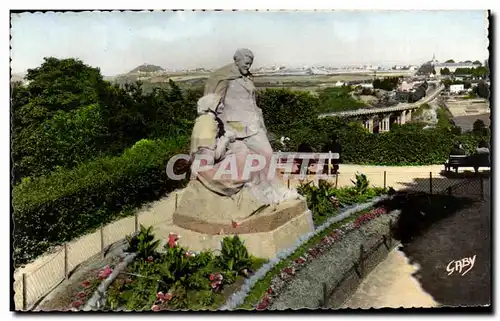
[{"x": 329, "y": 280}]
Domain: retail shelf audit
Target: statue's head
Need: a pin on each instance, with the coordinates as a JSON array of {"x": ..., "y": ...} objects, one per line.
[{"x": 243, "y": 58}]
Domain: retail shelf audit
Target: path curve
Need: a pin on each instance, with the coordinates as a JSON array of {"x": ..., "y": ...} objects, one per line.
[{"x": 391, "y": 285}]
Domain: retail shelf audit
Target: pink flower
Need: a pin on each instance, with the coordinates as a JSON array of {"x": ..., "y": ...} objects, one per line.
[
  {"x": 212, "y": 277},
  {"x": 269, "y": 291},
  {"x": 288, "y": 270},
  {"x": 189, "y": 254},
  {"x": 160, "y": 295},
  {"x": 85, "y": 284},
  {"x": 168, "y": 296},
  {"x": 76, "y": 304},
  {"x": 81, "y": 294},
  {"x": 214, "y": 284},
  {"x": 300, "y": 260},
  {"x": 149, "y": 259},
  {"x": 104, "y": 273},
  {"x": 172, "y": 240},
  {"x": 155, "y": 308},
  {"x": 264, "y": 303}
]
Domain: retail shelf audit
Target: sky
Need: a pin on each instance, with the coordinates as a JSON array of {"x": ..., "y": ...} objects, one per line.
[{"x": 117, "y": 42}]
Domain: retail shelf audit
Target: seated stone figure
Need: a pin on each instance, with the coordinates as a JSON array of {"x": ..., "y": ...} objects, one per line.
[
  {"x": 238, "y": 110},
  {"x": 243, "y": 200}
]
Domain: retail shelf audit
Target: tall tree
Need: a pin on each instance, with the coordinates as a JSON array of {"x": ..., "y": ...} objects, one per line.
[{"x": 58, "y": 87}]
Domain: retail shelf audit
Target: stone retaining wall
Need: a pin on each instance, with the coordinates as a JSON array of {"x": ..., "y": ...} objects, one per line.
[{"x": 335, "y": 269}]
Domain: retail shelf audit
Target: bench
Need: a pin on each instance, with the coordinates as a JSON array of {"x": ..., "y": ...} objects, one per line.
[
  {"x": 476, "y": 161},
  {"x": 298, "y": 158}
]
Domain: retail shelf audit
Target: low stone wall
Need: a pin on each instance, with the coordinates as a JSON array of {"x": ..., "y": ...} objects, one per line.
[{"x": 337, "y": 269}]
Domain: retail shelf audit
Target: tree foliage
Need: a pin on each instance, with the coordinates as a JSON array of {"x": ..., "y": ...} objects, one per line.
[
  {"x": 445, "y": 71},
  {"x": 388, "y": 83},
  {"x": 67, "y": 114},
  {"x": 482, "y": 90},
  {"x": 479, "y": 72}
]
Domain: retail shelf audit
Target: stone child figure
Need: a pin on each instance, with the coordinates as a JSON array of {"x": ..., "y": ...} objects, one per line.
[{"x": 209, "y": 142}]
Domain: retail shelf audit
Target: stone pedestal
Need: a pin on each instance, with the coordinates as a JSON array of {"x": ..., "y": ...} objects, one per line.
[{"x": 204, "y": 218}]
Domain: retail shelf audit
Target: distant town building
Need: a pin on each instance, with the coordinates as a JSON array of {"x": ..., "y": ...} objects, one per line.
[
  {"x": 406, "y": 86},
  {"x": 455, "y": 89}
]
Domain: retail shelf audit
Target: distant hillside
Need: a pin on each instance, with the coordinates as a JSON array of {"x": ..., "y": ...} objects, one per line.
[{"x": 146, "y": 68}]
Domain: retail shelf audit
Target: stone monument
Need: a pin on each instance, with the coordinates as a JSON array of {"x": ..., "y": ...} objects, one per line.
[{"x": 226, "y": 195}]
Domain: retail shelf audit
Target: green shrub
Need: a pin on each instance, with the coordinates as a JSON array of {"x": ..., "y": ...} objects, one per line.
[
  {"x": 55, "y": 208},
  {"x": 325, "y": 200},
  {"x": 144, "y": 243},
  {"x": 234, "y": 255},
  {"x": 176, "y": 278}
]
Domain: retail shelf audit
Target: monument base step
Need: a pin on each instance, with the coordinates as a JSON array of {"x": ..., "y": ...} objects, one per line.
[{"x": 262, "y": 244}]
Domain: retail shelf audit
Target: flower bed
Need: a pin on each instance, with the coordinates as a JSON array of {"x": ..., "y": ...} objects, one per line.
[
  {"x": 174, "y": 278},
  {"x": 87, "y": 287},
  {"x": 326, "y": 201}
]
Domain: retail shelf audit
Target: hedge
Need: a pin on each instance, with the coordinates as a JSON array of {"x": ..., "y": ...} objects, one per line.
[
  {"x": 294, "y": 115},
  {"x": 55, "y": 208},
  {"x": 403, "y": 146}
]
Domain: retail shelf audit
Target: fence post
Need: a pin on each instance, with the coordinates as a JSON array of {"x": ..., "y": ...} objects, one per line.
[
  {"x": 361, "y": 260},
  {"x": 66, "y": 272},
  {"x": 385, "y": 179},
  {"x": 25, "y": 299},
  {"x": 288, "y": 183},
  {"x": 176, "y": 200},
  {"x": 329, "y": 167},
  {"x": 430, "y": 183},
  {"x": 449, "y": 191},
  {"x": 136, "y": 222},
  {"x": 390, "y": 233},
  {"x": 481, "y": 188},
  {"x": 336, "y": 180},
  {"x": 102, "y": 240}
]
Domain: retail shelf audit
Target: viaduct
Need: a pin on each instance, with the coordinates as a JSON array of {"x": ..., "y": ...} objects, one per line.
[{"x": 380, "y": 119}]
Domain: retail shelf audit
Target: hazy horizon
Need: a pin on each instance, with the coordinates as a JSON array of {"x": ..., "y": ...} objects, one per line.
[{"x": 117, "y": 42}]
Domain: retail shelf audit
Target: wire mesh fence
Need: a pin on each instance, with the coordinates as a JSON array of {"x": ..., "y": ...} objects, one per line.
[{"x": 32, "y": 284}]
